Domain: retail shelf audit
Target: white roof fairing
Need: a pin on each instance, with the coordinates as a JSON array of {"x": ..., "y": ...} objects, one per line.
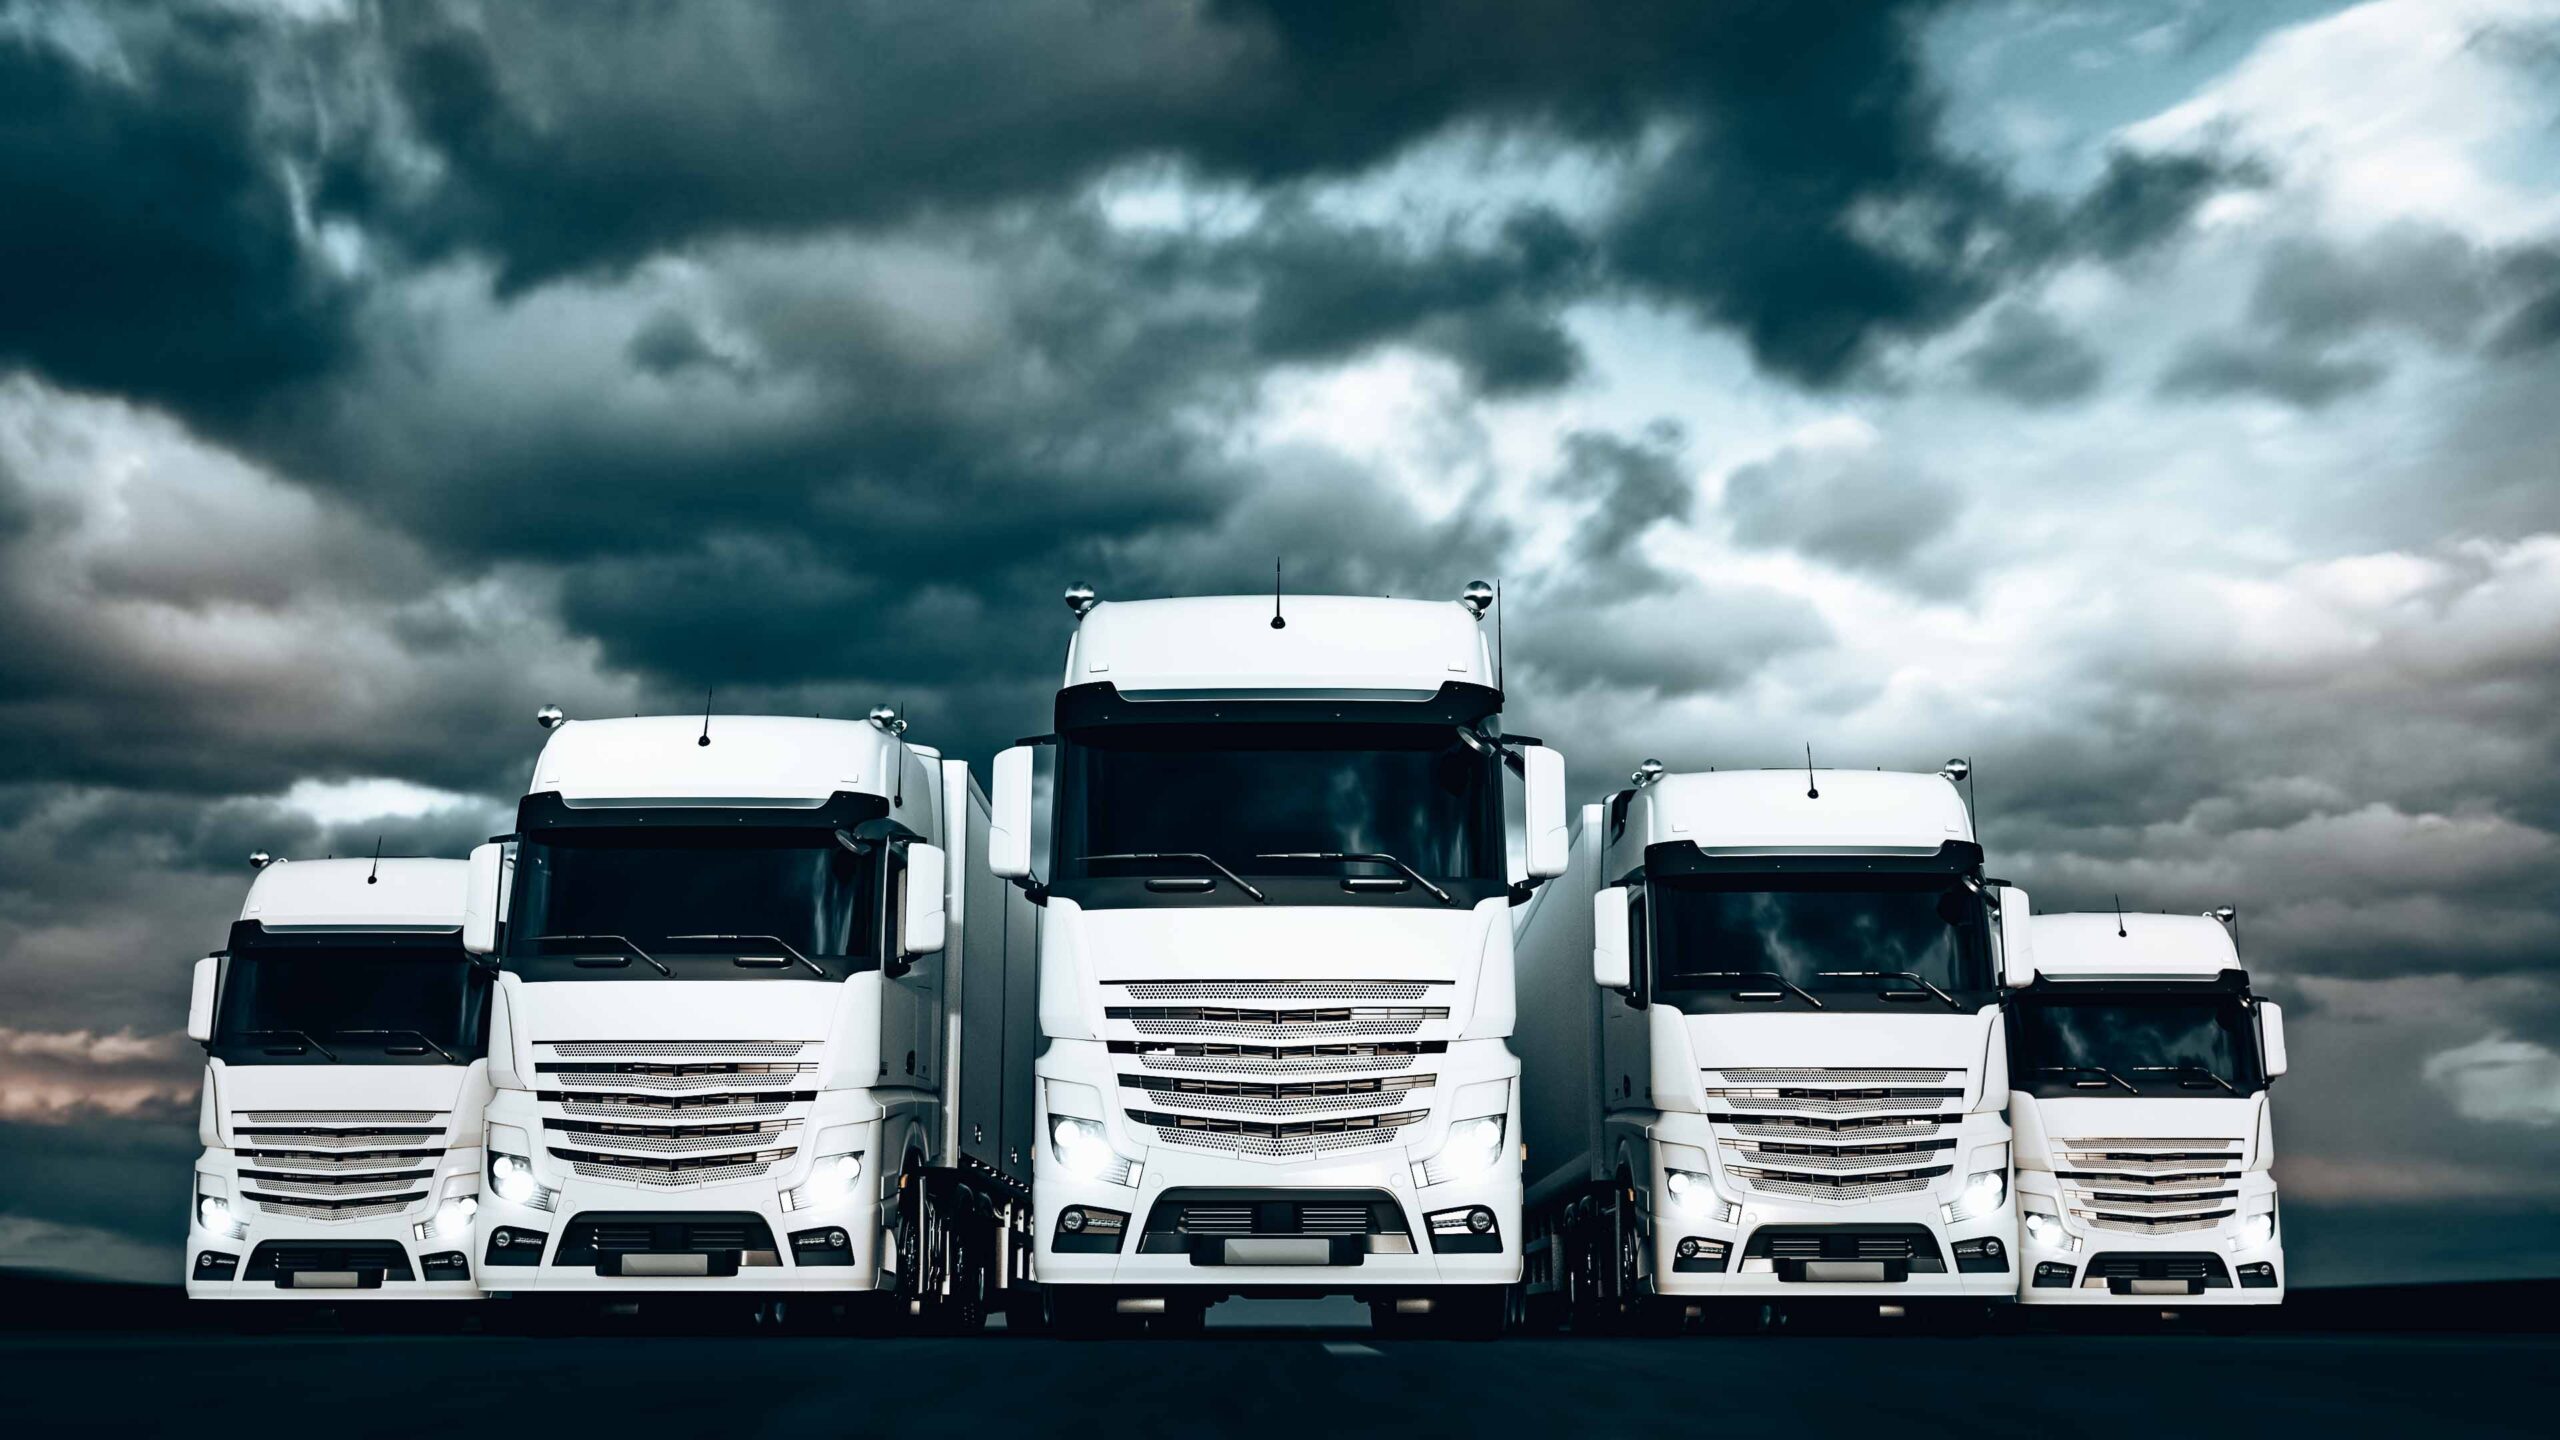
[
  {"x": 1855, "y": 811},
  {"x": 405, "y": 894},
  {"x": 1215, "y": 645},
  {"x": 2085, "y": 945},
  {"x": 752, "y": 760}
]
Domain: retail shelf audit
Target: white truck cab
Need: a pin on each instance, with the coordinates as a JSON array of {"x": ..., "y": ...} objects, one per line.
[
  {"x": 1276, "y": 988},
  {"x": 344, "y": 1032},
  {"x": 1762, "y": 1021},
  {"x": 2140, "y": 1066},
  {"x": 752, "y": 1029}
]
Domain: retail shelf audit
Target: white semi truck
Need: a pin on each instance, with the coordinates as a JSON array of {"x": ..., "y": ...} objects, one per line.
[
  {"x": 1276, "y": 983},
  {"x": 762, "y": 1025},
  {"x": 1762, "y": 1029},
  {"x": 2139, "y": 1067},
  {"x": 343, "y": 1087}
]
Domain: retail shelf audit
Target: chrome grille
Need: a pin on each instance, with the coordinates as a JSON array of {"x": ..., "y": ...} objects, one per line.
[
  {"x": 1229, "y": 990},
  {"x": 661, "y": 1113},
  {"x": 1296, "y": 1097},
  {"x": 2149, "y": 1186},
  {"x": 1768, "y": 1075},
  {"x": 1264, "y": 1138},
  {"x": 1837, "y": 1136},
  {"x": 333, "y": 1165},
  {"x": 337, "y": 1117},
  {"x": 705, "y": 1170},
  {"x": 1840, "y": 1187},
  {"x": 1212, "y": 1058},
  {"x": 1276, "y": 1068},
  {"x": 669, "y": 1139},
  {"x": 369, "y": 1208},
  {"x": 747, "y": 1106},
  {"x": 654, "y": 1049},
  {"x": 1248, "y": 1023}
]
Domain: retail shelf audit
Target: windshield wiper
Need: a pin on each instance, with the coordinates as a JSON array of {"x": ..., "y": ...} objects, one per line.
[
  {"x": 1952, "y": 1002},
  {"x": 622, "y": 940},
  {"x": 1788, "y": 985},
  {"x": 420, "y": 1036},
  {"x": 1375, "y": 857},
  {"x": 2089, "y": 1070},
  {"x": 2190, "y": 1068},
  {"x": 300, "y": 1035},
  {"x": 1209, "y": 860},
  {"x": 788, "y": 948}
]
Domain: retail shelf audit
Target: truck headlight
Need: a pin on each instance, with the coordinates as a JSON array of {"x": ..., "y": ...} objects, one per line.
[
  {"x": 1083, "y": 1150},
  {"x": 213, "y": 1208},
  {"x": 1693, "y": 1195},
  {"x": 2045, "y": 1228},
  {"x": 1473, "y": 1148},
  {"x": 452, "y": 1218},
  {"x": 511, "y": 1179},
  {"x": 2257, "y": 1230},
  {"x": 1983, "y": 1192}
]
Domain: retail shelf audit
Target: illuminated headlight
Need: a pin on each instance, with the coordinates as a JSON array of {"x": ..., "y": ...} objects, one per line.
[
  {"x": 1692, "y": 1195},
  {"x": 511, "y": 1179},
  {"x": 2257, "y": 1230},
  {"x": 1473, "y": 1148},
  {"x": 2046, "y": 1230},
  {"x": 1983, "y": 1192},
  {"x": 452, "y": 1218},
  {"x": 836, "y": 1174},
  {"x": 213, "y": 1208},
  {"x": 1083, "y": 1150}
]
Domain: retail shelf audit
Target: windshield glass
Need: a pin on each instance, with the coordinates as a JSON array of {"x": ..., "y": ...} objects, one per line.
[
  {"x": 1240, "y": 793},
  {"x": 308, "y": 1000},
  {"x": 1859, "y": 942},
  {"x": 681, "y": 895},
  {"x": 2155, "y": 1045}
]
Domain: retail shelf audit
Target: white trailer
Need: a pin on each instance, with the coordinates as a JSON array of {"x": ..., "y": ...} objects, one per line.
[
  {"x": 2140, "y": 1067},
  {"x": 1276, "y": 987},
  {"x": 1762, "y": 1031},
  {"x": 344, "y": 1030},
  {"x": 762, "y": 1025}
]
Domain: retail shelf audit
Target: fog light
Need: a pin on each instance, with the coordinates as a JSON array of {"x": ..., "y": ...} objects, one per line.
[
  {"x": 1480, "y": 1220},
  {"x": 1072, "y": 1220},
  {"x": 1689, "y": 1249}
]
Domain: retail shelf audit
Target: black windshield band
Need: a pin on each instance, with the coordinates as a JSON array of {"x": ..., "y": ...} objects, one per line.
[
  {"x": 2153, "y": 1039},
  {"x": 248, "y": 935},
  {"x": 1101, "y": 703},
  {"x": 844, "y": 810},
  {"x": 327, "y": 997},
  {"x": 1677, "y": 859}
]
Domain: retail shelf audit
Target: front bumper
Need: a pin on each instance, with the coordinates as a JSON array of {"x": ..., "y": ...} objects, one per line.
[
  {"x": 2122, "y": 1269},
  {"x": 595, "y": 1237},
  {"x": 369, "y": 1261}
]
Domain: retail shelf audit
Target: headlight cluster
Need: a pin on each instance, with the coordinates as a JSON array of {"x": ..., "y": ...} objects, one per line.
[
  {"x": 2255, "y": 1231},
  {"x": 452, "y": 1219},
  {"x": 1083, "y": 1149},
  {"x": 511, "y": 1179},
  {"x": 1473, "y": 1148},
  {"x": 832, "y": 1180},
  {"x": 2045, "y": 1228},
  {"x": 1694, "y": 1196},
  {"x": 1983, "y": 1192},
  {"x": 213, "y": 1208}
]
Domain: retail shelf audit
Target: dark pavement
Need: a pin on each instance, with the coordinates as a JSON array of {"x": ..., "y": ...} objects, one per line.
[{"x": 1308, "y": 1381}]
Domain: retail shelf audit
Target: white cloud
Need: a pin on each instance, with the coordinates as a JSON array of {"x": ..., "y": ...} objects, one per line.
[
  {"x": 339, "y": 802},
  {"x": 2500, "y": 1080}
]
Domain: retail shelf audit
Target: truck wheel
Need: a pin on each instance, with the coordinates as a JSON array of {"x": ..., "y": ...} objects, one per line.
[{"x": 944, "y": 1289}]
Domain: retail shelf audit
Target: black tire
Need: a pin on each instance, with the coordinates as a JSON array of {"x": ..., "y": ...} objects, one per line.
[{"x": 944, "y": 1286}]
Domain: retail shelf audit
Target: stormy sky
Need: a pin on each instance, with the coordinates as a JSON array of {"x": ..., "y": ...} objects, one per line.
[{"x": 2158, "y": 402}]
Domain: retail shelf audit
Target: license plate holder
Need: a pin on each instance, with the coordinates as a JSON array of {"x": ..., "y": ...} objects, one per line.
[
  {"x": 2157, "y": 1287},
  {"x": 685, "y": 1263},
  {"x": 330, "y": 1280},
  {"x": 1852, "y": 1272},
  {"x": 1279, "y": 1250}
]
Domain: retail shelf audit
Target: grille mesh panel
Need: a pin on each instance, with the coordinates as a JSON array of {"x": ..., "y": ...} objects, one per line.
[
  {"x": 1278, "y": 989},
  {"x": 713, "y": 1049}
]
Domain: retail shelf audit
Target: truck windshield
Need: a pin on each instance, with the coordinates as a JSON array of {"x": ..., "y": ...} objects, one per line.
[
  {"x": 351, "y": 999},
  {"x": 1796, "y": 942},
  {"x": 641, "y": 902},
  {"x": 1318, "y": 803},
  {"x": 2162, "y": 1046}
]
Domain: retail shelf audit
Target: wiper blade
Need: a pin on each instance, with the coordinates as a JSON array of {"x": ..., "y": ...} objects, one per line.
[
  {"x": 2206, "y": 1071},
  {"x": 622, "y": 940},
  {"x": 1952, "y": 1002},
  {"x": 1784, "y": 983},
  {"x": 1375, "y": 857},
  {"x": 300, "y": 1035},
  {"x": 2129, "y": 1086},
  {"x": 1211, "y": 861},
  {"x": 788, "y": 948},
  {"x": 420, "y": 1036}
]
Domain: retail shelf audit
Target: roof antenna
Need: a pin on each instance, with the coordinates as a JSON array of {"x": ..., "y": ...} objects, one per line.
[
  {"x": 894, "y": 725},
  {"x": 1276, "y": 622},
  {"x": 706, "y": 717},
  {"x": 1497, "y": 635},
  {"x": 2120, "y": 918},
  {"x": 375, "y": 874},
  {"x": 1811, "y": 790}
]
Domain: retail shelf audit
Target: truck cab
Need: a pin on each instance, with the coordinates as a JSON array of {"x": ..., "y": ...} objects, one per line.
[
  {"x": 728, "y": 1047},
  {"x": 1768, "y": 1067},
  {"x": 344, "y": 1030},
  {"x": 2140, "y": 1071},
  {"x": 1276, "y": 983}
]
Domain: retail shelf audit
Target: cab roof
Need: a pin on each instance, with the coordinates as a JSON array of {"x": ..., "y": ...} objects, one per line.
[
  {"x": 752, "y": 760},
  {"x": 1854, "y": 811},
  {"x": 334, "y": 895},
  {"x": 2087, "y": 946},
  {"x": 1223, "y": 645}
]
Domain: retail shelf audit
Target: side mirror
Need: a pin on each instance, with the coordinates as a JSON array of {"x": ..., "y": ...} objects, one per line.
[
  {"x": 1009, "y": 827},
  {"x": 2017, "y": 949},
  {"x": 1611, "y": 966},
  {"x": 922, "y": 922},
  {"x": 200, "y": 1000},
  {"x": 2271, "y": 1036},
  {"x": 480, "y": 898},
  {"x": 1548, "y": 847}
]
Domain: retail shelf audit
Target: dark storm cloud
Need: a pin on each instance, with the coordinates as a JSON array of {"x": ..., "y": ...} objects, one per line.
[
  {"x": 2031, "y": 359},
  {"x": 1635, "y": 484},
  {"x": 2308, "y": 378},
  {"x": 1853, "y": 505}
]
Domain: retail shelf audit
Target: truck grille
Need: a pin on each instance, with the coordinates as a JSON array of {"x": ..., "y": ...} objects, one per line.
[
  {"x": 1277, "y": 989},
  {"x": 2149, "y": 1186},
  {"x": 1355, "y": 1058},
  {"x": 1295, "y": 1097},
  {"x": 1242, "y": 1023},
  {"x": 1254, "y": 1137},
  {"x": 332, "y": 1166},
  {"x": 667, "y": 1113},
  {"x": 1836, "y": 1136}
]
